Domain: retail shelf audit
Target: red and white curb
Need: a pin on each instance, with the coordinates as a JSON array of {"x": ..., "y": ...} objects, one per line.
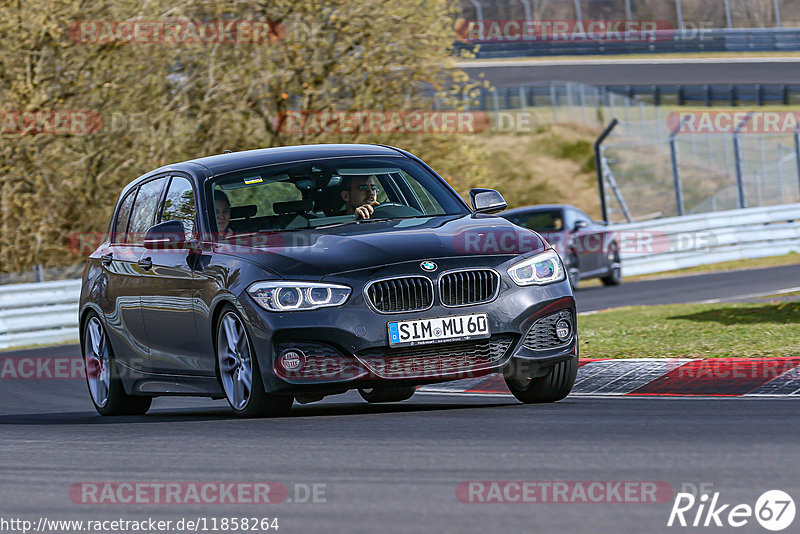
[{"x": 726, "y": 377}]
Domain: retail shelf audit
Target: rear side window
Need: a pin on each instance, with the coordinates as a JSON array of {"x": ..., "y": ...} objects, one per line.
[
  {"x": 179, "y": 204},
  {"x": 144, "y": 209},
  {"x": 121, "y": 223},
  {"x": 264, "y": 195}
]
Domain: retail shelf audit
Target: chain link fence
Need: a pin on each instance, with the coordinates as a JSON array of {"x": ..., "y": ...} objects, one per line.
[{"x": 653, "y": 167}]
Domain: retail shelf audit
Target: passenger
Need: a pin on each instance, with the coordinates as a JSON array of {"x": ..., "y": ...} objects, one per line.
[
  {"x": 359, "y": 194},
  {"x": 222, "y": 208}
]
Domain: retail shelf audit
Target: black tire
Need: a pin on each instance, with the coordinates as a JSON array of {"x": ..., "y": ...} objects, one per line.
[
  {"x": 115, "y": 400},
  {"x": 258, "y": 403},
  {"x": 614, "y": 277},
  {"x": 552, "y": 387},
  {"x": 573, "y": 271},
  {"x": 390, "y": 394}
]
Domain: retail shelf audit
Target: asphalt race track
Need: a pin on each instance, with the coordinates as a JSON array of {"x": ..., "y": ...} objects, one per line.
[
  {"x": 395, "y": 468},
  {"x": 725, "y": 286},
  {"x": 689, "y": 71}
]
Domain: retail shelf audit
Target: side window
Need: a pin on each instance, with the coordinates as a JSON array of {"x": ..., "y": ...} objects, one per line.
[
  {"x": 430, "y": 206},
  {"x": 569, "y": 220},
  {"x": 179, "y": 205},
  {"x": 263, "y": 196},
  {"x": 584, "y": 217},
  {"x": 121, "y": 223},
  {"x": 144, "y": 209}
]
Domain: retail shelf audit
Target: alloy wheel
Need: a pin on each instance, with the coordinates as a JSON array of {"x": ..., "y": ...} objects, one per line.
[
  {"x": 235, "y": 360},
  {"x": 98, "y": 362}
]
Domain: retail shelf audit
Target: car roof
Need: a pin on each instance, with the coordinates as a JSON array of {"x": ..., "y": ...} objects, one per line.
[
  {"x": 202, "y": 168},
  {"x": 223, "y": 163}
]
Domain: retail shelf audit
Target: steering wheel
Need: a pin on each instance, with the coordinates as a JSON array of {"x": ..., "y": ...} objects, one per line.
[{"x": 394, "y": 209}]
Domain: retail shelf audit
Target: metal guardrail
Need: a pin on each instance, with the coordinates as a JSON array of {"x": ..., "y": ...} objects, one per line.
[
  {"x": 665, "y": 41},
  {"x": 678, "y": 242},
  {"x": 540, "y": 94},
  {"x": 39, "y": 313},
  {"x": 46, "y": 313}
]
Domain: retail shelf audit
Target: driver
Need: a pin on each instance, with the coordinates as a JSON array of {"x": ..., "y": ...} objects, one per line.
[{"x": 359, "y": 194}]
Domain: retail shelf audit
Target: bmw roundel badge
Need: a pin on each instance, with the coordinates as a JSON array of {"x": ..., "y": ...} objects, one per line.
[{"x": 428, "y": 266}]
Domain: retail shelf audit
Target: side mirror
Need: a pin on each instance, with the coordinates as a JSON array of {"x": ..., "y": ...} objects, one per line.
[
  {"x": 486, "y": 201},
  {"x": 581, "y": 224},
  {"x": 169, "y": 235}
]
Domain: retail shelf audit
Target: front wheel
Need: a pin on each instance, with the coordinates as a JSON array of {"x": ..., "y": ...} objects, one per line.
[
  {"x": 573, "y": 271},
  {"x": 391, "y": 394},
  {"x": 552, "y": 387},
  {"x": 614, "y": 276},
  {"x": 239, "y": 373},
  {"x": 102, "y": 376}
]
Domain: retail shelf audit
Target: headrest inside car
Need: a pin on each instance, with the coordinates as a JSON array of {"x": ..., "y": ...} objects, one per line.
[
  {"x": 243, "y": 212},
  {"x": 293, "y": 206}
]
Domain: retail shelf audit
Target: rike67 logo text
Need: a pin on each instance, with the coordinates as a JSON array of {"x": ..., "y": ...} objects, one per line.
[{"x": 774, "y": 510}]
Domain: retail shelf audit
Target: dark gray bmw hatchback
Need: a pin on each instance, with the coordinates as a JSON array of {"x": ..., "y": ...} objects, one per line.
[{"x": 293, "y": 273}]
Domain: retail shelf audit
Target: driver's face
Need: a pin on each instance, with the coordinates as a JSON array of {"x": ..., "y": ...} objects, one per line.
[
  {"x": 362, "y": 191},
  {"x": 223, "y": 212}
]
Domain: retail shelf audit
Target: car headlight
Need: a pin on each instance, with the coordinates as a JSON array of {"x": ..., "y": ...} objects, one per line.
[
  {"x": 297, "y": 296},
  {"x": 544, "y": 268}
]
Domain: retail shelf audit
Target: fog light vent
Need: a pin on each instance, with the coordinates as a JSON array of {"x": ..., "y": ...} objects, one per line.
[{"x": 553, "y": 331}]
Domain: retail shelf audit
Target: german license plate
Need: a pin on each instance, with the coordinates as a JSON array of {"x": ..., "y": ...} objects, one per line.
[{"x": 438, "y": 330}]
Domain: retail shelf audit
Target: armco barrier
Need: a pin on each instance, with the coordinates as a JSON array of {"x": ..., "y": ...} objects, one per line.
[
  {"x": 665, "y": 41},
  {"x": 44, "y": 313},
  {"x": 694, "y": 240},
  {"x": 36, "y": 314}
]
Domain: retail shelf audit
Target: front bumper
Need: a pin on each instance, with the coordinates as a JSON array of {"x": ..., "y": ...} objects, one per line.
[{"x": 347, "y": 347}]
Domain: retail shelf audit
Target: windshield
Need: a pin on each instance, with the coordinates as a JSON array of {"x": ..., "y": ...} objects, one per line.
[
  {"x": 324, "y": 192},
  {"x": 540, "y": 221}
]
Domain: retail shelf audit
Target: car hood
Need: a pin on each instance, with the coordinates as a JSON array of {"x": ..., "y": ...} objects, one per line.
[{"x": 315, "y": 253}]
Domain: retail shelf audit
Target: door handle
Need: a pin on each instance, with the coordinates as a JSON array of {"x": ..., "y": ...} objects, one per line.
[
  {"x": 106, "y": 259},
  {"x": 146, "y": 263}
]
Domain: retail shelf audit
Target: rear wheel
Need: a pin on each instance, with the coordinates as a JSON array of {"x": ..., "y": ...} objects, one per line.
[
  {"x": 552, "y": 387},
  {"x": 239, "y": 372},
  {"x": 390, "y": 394},
  {"x": 614, "y": 277},
  {"x": 102, "y": 376}
]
